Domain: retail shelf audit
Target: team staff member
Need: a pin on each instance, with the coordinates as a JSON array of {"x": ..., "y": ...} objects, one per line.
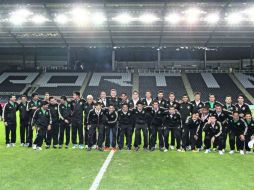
[
  {"x": 237, "y": 132},
  {"x": 113, "y": 99},
  {"x": 213, "y": 130},
  {"x": 250, "y": 130},
  {"x": 64, "y": 109},
  {"x": 139, "y": 115},
  {"x": 42, "y": 121},
  {"x": 156, "y": 126},
  {"x": 9, "y": 119},
  {"x": 24, "y": 120},
  {"x": 111, "y": 117},
  {"x": 196, "y": 103},
  {"x": 172, "y": 122},
  {"x": 212, "y": 102},
  {"x": 77, "y": 107},
  {"x": 193, "y": 124},
  {"x": 53, "y": 133},
  {"x": 125, "y": 119},
  {"x": 33, "y": 105},
  {"x": 95, "y": 120},
  {"x": 228, "y": 104}
]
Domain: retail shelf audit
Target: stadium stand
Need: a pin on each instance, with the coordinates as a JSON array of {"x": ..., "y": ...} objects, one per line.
[
  {"x": 221, "y": 83},
  {"x": 171, "y": 82},
  {"x": 122, "y": 82},
  {"x": 58, "y": 84},
  {"x": 247, "y": 80}
]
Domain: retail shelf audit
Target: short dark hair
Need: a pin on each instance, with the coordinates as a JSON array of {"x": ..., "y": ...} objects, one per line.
[
  {"x": 63, "y": 98},
  {"x": 43, "y": 103},
  {"x": 160, "y": 91},
  {"x": 76, "y": 93},
  {"x": 23, "y": 96},
  {"x": 235, "y": 112},
  {"x": 240, "y": 95},
  {"x": 51, "y": 97},
  {"x": 197, "y": 93},
  {"x": 135, "y": 91},
  {"x": 11, "y": 95},
  {"x": 171, "y": 93},
  {"x": 34, "y": 94},
  {"x": 125, "y": 104}
]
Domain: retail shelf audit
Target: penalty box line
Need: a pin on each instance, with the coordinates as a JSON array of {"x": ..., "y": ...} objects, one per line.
[{"x": 103, "y": 169}]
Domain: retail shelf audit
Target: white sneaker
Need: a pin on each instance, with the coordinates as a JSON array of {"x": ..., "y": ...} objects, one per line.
[
  {"x": 86, "y": 147},
  {"x": 74, "y": 146},
  {"x": 26, "y": 145},
  {"x": 81, "y": 147},
  {"x": 179, "y": 150},
  {"x": 207, "y": 151},
  {"x": 39, "y": 148},
  {"x": 172, "y": 147},
  {"x": 34, "y": 146},
  {"x": 165, "y": 150},
  {"x": 221, "y": 152},
  {"x": 22, "y": 144},
  {"x": 241, "y": 152},
  {"x": 8, "y": 145},
  {"x": 251, "y": 143},
  {"x": 231, "y": 152},
  {"x": 94, "y": 147},
  {"x": 13, "y": 144}
]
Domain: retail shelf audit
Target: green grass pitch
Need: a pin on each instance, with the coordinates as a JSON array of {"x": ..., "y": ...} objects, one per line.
[{"x": 23, "y": 168}]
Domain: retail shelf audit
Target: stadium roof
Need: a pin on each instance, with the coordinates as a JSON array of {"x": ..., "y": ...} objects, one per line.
[{"x": 117, "y": 23}]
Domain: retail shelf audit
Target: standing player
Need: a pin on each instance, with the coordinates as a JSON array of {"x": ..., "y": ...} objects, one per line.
[
  {"x": 172, "y": 122},
  {"x": 113, "y": 99},
  {"x": 135, "y": 99},
  {"x": 140, "y": 124},
  {"x": 212, "y": 102},
  {"x": 110, "y": 125},
  {"x": 89, "y": 105},
  {"x": 213, "y": 130},
  {"x": 228, "y": 104},
  {"x": 65, "y": 121},
  {"x": 9, "y": 119},
  {"x": 237, "y": 132},
  {"x": 24, "y": 119},
  {"x": 33, "y": 105},
  {"x": 103, "y": 99},
  {"x": 46, "y": 97},
  {"x": 156, "y": 126},
  {"x": 53, "y": 133},
  {"x": 160, "y": 99},
  {"x": 125, "y": 119},
  {"x": 95, "y": 121},
  {"x": 196, "y": 103},
  {"x": 41, "y": 120},
  {"x": 77, "y": 106},
  {"x": 241, "y": 106}
]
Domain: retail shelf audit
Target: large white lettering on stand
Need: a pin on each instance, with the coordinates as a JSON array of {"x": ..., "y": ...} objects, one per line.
[
  {"x": 160, "y": 77},
  {"x": 210, "y": 80},
  {"x": 245, "y": 80},
  {"x": 124, "y": 80},
  {"x": 30, "y": 77}
]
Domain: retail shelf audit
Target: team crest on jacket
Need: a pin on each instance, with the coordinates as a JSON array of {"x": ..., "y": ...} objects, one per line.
[
  {"x": 238, "y": 124},
  {"x": 128, "y": 114},
  {"x": 112, "y": 116},
  {"x": 159, "y": 112},
  {"x": 85, "y": 107},
  {"x": 80, "y": 103},
  {"x": 243, "y": 108},
  {"x": 55, "y": 108},
  {"x": 188, "y": 107}
]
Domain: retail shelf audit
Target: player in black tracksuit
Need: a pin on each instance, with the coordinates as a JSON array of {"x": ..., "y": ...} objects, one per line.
[
  {"x": 77, "y": 119},
  {"x": 228, "y": 104},
  {"x": 160, "y": 99},
  {"x": 111, "y": 117},
  {"x": 204, "y": 116},
  {"x": 24, "y": 120},
  {"x": 95, "y": 121},
  {"x": 212, "y": 102},
  {"x": 185, "y": 109},
  {"x": 140, "y": 119},
  {"x": 196, "y": 103},
  {"x": 89, "y": 105},
  {"x": 237, "y": 131},
  {"x": 172, "y": 102},
  {"x": 64, "y": 109},
  {"x": 125, "y": 119},
  {"x": 9, "y": 118},
  {"x": 241, "y": 107},
  {"x": 54, "y": 132},
  {"x": 113, "y": 99},
  {"x": 213, "y": 131},
  {"x": 156, "y": 125},
  {"x": 222, "y": 116},
  {"x": 250, "y": 129},
  {"x": 172, "y": 122},
  {"x": 42, "y": 121},
  {"x": 33, "y": 105},
  {"x": 193, "y": 125}
]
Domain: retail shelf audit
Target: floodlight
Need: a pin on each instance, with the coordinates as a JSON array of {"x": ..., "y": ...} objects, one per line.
[
  {"x": 123, "y": 18},
  {"x": 148, "y": 18},
  {"x": 173, "y": 18}
]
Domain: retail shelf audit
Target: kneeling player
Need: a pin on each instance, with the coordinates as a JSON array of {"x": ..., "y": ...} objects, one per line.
[
  {"x": 250, "y": 132},
  {"x": 42, "y": 122},
  {"x": 172, "y": 122},
  {"x": 213, "y": 131},
  {"x": 237, "y": 132}
]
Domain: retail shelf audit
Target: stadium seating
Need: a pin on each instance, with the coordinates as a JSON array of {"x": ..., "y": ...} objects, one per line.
[
  {"x": 122, "y": 82},
  {"x": 161, "y": 81},
  {"x": 247, "y": 80},
  {"x": 221, "y": 83}
]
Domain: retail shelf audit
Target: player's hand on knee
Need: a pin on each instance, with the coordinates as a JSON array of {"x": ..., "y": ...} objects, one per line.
[{"x": 242, "y": 138}]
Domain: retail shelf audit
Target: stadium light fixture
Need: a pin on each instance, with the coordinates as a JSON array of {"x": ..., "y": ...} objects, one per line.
[
  {"x": 173, "y": 18},
  {"x": 98, "y": 18},
  {"x": 192, "y": 15},
  {"x": 61, "y": 19},
  {"x": 19, "y": 16},
  {"x": 212, "y": 18},
  {"x": 80, "y": 16},
  {"x": 234, "y": 18},
  {"x": 250, "y": 13},
  {"x": 39, "y": 19},
  {"x": 148, "y": 18},
  {"x": 123, "y": 18}
]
